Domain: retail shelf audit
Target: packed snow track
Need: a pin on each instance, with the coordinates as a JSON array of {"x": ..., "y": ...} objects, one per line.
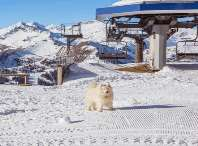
[
  {"x": 149, "y": 109},
  {"x": 140, "y": 125}
]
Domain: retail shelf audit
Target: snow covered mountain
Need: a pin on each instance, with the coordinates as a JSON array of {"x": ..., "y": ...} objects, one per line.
[
  {"x": 27, "y": 39},
  {"x": 35, "y": 40},
  {"x": 31, "y": 44},
  {"x": 36, "y": 44}
]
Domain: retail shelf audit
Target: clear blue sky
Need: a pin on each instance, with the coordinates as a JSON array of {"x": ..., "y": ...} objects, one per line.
[{"x": 49, "y": 11}]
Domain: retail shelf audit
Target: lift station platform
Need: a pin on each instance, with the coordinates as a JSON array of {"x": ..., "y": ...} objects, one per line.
[{"x": 157, "y": 20}]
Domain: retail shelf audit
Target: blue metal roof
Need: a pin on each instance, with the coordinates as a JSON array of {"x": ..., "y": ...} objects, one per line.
[{"x": 143, "y": 8}]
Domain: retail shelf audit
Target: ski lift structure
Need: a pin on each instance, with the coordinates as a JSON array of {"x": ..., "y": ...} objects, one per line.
[
  {"x": 158, "y": 20},
  {"x": 188, "y": 48},
  {"x": 63, "y": 56},
  {"x": 71, "y": 35},
  {"x": 114, "y": 48}
]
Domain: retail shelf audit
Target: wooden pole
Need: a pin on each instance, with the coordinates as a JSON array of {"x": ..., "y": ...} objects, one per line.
[
  {"x": 59, "y": 75},
  {"x": 139, "y": 51},
  {"x": 25, "y": 80}
]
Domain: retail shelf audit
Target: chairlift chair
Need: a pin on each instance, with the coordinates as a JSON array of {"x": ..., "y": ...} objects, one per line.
[
  {"x": 188, "y": 44},
  {"x": 115, "y": 52}
]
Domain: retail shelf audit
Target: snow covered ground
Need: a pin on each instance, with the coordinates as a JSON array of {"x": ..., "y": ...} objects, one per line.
[{"x": 149, "y": 109}]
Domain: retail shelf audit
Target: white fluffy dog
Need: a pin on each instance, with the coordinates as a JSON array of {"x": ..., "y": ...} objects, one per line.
[{"x": 99, "y": 96}]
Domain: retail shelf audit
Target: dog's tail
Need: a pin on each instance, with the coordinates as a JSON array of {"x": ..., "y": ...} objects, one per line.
[{"x": 93, "y": 84}]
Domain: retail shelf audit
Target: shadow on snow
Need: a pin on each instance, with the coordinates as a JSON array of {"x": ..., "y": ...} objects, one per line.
[{"x": 148, "y": 107}]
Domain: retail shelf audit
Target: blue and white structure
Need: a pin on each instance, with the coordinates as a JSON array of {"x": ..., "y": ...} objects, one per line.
[{"x": 159, "y": 19}]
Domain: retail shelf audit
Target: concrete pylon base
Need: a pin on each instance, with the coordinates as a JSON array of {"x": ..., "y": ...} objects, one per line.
[{"x": 158, "y": 40}]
